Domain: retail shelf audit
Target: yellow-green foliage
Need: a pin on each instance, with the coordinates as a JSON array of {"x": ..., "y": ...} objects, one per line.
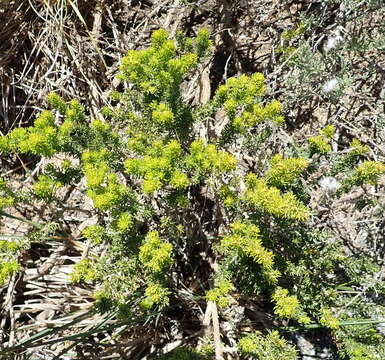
[
  {"x": 238, "y": 97},
  {"x": 240, "y": 91},
  {"x": 208, "y": 159},
  {"x": 270, "y": 200},
  {"x": 163, "y": 115},
  {"x": 75, "y": 112},
  {"x": 288, "y": 306},
  {"x": 4, "y": 145},
  {"x": 284, "y": 172},
  {"x": 99, "y": 126},
  {"x": 9, "y": 246},
  {"x": 269, "y": 347},
  {"x": 157, "y": 71},
  {"x": 41, "y": 139},
  {"x": 124, "y": 222},
  {"x": 56, "y": 102},
  {"x": 95, "y": 175},
  {"x": 328, "y": 319},
  {"x": 7, "y": 269},
  {"x": 14, "y": 138},
  {"x": 6, "y": 201},
  {"x": 8, "y": 264},
  {"x": 155, "y": 294},
  {"x": 356, "y": 148},
  {"x": 162, "y": 164},
  {"x": 45, "y": 187},
  {"x": 107, "y": 196},
  {"x": 369, "y": 172},
  {"x": 245, "y": 240},
  {"x": 328, "y": 131},
  {"x": 159, "y": 167},
  {"x": 256, "y": 113},
  {"x": 321, "y": 143},
  {"x": 155, "y": 75},
  {"x": 6, "y": 195},
  {"x": 155, "y": 254},
  {"x": 45, "y": 138},
  {"x": 94, "y": 233},
  {"x": 179, "y": 180},
  {"x": 65, "y": 129},
  {"x": 95, "y": 166},
  {"x": 203, "y": 43},
  {"x": 139, "y": 142},
  {"x": 219, "y": 294},
  {"x": 84, "y": 270}
]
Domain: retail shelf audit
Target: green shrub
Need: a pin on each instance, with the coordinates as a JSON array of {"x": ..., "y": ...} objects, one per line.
[
  {"x": 168, "y": 201},
  {"x": 269, "y": 347}
]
